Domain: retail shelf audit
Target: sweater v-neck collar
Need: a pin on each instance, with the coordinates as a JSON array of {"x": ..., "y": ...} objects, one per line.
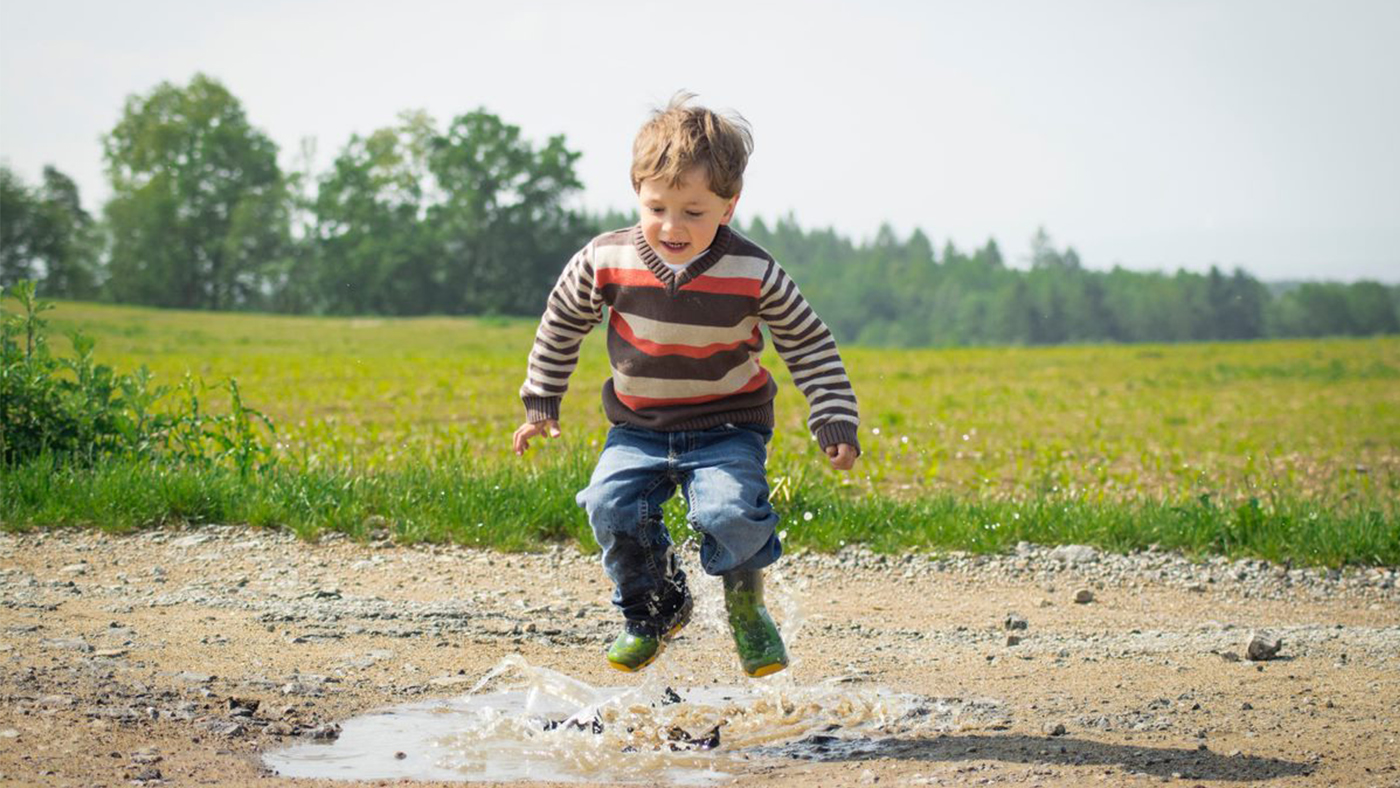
[{"x": 675, "y": 280}]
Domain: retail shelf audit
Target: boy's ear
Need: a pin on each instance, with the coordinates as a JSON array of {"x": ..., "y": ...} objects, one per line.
[{"x": 729, "y": 210}]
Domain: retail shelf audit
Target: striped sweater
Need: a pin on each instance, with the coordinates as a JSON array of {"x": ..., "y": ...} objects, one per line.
[{"x": 684, "y": 347}]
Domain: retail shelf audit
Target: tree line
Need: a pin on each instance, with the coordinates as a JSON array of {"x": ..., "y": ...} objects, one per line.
[{"x": 471, "y": 218}]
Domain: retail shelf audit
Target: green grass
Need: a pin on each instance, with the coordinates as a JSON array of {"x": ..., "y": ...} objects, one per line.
[
  {"x": 523, "y": 507},
  {"x": 1294, "y": 447}
]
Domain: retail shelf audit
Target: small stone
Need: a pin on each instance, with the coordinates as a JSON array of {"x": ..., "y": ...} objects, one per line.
[
  {"x": 193, "y": 540},
  {"x": 228, "y": 728},
  {"x": 1074, "y": 554},
  {"x": 1015, "y": 621},
  {"x": 109, "y": 653},
  {"x": 1246, "y": 706},
  {"x": 328, "y": 732},
  {"x": 1262, "y": 647},
  {"x": 67, "y": 644},
  {"x": 1083, "y": 596},
  {"x": 1013, "y": 640},
  {"x": 1043, "y": 602},
  {"x": 400, "y": 755},
  {"x": 74, "y": 569},
  {"x": 150, "y": 774},
  {"x": 1229, "y": 656},
  {"x": 1054, "y": 729}
]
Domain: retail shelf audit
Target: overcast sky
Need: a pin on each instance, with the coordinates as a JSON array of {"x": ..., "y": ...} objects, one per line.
[{"x": 1153, "y": 135}]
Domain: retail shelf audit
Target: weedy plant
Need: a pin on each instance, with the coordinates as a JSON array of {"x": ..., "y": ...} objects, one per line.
[{"x": 72, "y": 410}]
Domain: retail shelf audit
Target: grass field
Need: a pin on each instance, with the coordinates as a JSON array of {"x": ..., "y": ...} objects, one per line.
[{"x": 1119, "y": 445}]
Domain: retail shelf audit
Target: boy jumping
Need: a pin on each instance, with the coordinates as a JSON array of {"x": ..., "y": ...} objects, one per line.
[{"x": 689, "y": 402}]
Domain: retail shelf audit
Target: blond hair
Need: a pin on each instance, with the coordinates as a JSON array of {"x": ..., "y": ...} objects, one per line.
[{"x": 679, "y": 138}]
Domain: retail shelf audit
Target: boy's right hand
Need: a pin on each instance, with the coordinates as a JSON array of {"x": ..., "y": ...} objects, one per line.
[{"x": 530, "y": 429}]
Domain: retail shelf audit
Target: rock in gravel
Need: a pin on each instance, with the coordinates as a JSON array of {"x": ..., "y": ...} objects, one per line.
[
  {"x": 1013, "y": 640},
  {"x": 223, "y": 727},
  {"x": 1083, "y": 596},
  {"x": 1015, "y": 621},
  {"x": 1229, "y": 656},
  {"x": 1262, "y": 647},
  {"x": 1054, "y": 729},
  {"x": 67, "y": 644},
  {"x": 1074, "y": 554},
  {"x": 328, "y": 732}
]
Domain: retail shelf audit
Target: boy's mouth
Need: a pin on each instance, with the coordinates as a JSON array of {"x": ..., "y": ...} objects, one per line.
[{"x": 674, "y": 246}]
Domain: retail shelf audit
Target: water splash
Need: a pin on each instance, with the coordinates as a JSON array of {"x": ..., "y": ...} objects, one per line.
[{"x": 524, "y": 722}]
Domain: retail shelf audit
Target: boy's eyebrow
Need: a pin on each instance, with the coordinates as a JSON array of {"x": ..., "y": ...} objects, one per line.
[{"x": 701, "y": 203}]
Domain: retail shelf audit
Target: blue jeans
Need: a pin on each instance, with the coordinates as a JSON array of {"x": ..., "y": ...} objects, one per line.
[{"x": 721, "y": 474}]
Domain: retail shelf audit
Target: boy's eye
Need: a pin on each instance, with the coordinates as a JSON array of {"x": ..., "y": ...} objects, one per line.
[{"x": 695, "y": 214}]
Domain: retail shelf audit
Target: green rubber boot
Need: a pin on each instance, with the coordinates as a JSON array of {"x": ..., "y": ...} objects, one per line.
[
  {"x": 642, "y": 642},
  {"x": 756, "y": 637}
]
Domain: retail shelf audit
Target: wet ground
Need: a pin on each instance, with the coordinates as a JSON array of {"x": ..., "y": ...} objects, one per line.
[{"x": 214, "y": 656}]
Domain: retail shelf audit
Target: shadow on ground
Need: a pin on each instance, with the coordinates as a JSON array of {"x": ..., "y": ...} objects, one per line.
[{"x": 1191, "y": 764}]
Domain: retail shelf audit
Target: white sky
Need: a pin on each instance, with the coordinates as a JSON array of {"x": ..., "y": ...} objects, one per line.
[{"x": 1150, "y": 134}]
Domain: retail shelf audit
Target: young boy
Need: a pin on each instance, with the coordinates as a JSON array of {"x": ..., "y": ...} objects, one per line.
[{"x": 690, "y": 404}]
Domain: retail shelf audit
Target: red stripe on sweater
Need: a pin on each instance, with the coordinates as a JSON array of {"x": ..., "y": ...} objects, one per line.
[
  {"x": 627, "y": 277},
  {"x": 726, "y": 285},
  {"x": 637, "y": 403},
  {"x": 619, "y": 324}
]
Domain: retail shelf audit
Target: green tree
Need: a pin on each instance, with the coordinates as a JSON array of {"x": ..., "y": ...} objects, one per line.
[
  {"x": 373, "y": 251},
  {"x": 502, "y": 224},
  {"x": 198, "y": 206},
  {"x": 45, "y": 235}
]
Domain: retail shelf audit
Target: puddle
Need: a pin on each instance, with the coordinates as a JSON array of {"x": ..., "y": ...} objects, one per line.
[{"x": 530, "y": 723}]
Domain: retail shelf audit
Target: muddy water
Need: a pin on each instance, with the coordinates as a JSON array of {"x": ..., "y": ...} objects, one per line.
[
  {"x": 524, "y": 722},
  {"x": 538, "y": 724}
]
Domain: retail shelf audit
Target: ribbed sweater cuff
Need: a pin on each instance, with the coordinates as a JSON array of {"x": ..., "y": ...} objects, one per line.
[
  {"x": 538, "y": 409},
  {"x": 834, "y": 432}
]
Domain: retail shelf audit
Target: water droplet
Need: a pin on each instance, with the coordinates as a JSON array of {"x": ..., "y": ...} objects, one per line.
[{"x": 807, "y": 516}]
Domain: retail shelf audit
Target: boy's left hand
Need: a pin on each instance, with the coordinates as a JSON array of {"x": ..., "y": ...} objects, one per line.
[{"x": 843, "y": 456}]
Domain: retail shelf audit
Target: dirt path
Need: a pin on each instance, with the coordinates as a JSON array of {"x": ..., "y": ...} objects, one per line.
[{"x": 140, "y": 657}]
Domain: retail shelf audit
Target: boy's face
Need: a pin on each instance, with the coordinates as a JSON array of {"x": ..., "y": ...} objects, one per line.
[{"x": 680, "y": 221}]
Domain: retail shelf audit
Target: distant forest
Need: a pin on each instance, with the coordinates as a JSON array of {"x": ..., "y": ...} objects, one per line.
[{"x": 473, "y": 219}]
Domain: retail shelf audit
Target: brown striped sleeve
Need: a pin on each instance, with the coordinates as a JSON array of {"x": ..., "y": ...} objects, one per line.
[
  {"x": 809, "y": 350},
  {"x": 575, "y": 305}
]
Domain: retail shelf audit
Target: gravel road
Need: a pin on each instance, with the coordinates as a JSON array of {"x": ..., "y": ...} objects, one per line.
[{"x": 180, "y": 657}]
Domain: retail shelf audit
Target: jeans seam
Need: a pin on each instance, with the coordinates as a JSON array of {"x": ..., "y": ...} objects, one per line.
[{"x": 645, "y": 507}]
